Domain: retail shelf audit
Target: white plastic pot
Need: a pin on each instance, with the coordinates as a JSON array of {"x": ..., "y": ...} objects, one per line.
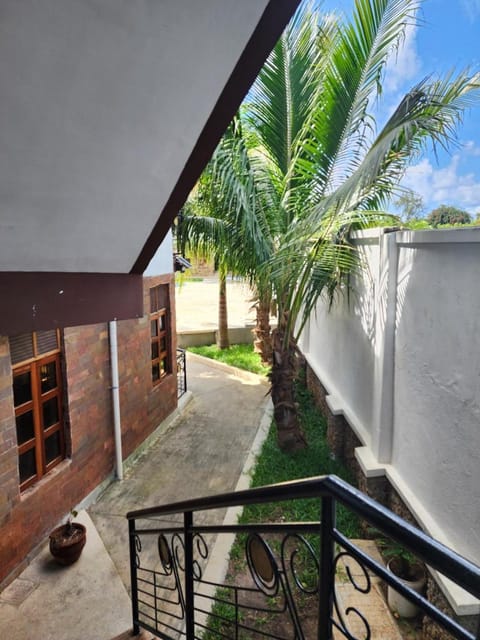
[{"x": 398, "y": 603}]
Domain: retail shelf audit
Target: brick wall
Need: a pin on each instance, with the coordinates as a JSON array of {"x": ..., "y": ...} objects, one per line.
[
  {"x": 26, "y": 519},
  {"x": 142, "y": 405}
]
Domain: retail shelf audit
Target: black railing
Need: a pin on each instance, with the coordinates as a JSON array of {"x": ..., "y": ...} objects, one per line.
[
  {"x": 293, "y": 580},
  {"x": 181, "y": 373}
]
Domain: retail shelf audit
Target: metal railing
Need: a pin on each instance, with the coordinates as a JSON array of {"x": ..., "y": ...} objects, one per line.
[
  {"x": 291, "y": 576},
  {"x": 181, "y": 373}
]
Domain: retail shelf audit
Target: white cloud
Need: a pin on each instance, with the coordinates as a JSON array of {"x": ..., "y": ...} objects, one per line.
[
  {"x": 471, "y": 146},
  {"x": 444, "y": 186},
  {"x": 405, "y": 64},
  {"x": 472, "y": 9}
]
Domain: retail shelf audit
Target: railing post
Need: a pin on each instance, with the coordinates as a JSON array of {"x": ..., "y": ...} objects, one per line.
[
  {"x": 327, "y": 569},
  {"x": 133, "y": 575},
  {"x": 189, "y": 595}
]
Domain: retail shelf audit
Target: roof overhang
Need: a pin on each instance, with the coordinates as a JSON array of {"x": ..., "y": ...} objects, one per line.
[{"x": 110, "y": 110}]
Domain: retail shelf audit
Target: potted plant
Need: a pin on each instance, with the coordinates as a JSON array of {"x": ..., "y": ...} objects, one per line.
[
  {"x": 411, "y": 572},
  {"x": 68, "y": 540}
]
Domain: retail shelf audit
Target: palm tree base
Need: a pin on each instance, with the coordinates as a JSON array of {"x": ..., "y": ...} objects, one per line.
[{"x": 290, "y": 435}]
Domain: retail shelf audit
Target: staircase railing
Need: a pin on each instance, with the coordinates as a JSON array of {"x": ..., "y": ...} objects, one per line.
[
  {"x": 181, "y": 373},
  {"x": 292, "y": 575}
]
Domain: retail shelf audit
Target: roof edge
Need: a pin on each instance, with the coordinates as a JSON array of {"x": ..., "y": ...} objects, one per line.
[
  {"x": 33, "y": 301},
  {"x": 268, "y": 30}
]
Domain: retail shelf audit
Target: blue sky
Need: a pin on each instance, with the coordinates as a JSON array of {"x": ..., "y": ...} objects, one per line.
[{"x": 446, "y": 38}]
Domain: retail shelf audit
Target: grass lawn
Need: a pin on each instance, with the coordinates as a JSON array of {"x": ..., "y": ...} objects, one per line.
[
  {"x": 273, "y": 465},
  {"x": 238, "y": 355}
]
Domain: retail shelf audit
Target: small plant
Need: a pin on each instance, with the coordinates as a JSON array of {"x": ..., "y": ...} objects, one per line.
[
  {"x": 68, "y": 540},
  {"x": 70, "y": 528},
  {"x": 401, "y": 562}
]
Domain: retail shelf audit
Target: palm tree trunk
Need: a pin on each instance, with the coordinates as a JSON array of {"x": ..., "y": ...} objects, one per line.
[
  {"x": 262, "y": 342},
  {"x": 222, "y": 340},
  {"x": 290, "y": 435}
]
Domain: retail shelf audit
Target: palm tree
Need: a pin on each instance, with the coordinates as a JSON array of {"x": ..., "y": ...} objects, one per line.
[
  {"x": 315, "y": 166},
  {"x": 204, "y": 228},
  {"x": 226, "y": 218}
]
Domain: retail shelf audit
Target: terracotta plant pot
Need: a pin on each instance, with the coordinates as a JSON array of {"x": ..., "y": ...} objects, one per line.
[
  {"x": 415, "y": 579},
  {"x": 67, "y": 542}
]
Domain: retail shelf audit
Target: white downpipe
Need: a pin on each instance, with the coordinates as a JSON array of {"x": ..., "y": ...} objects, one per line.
[{"x": 117, "y": 428}]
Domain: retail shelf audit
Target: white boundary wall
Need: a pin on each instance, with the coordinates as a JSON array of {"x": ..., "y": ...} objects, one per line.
[{"x": 401, "y": 361}]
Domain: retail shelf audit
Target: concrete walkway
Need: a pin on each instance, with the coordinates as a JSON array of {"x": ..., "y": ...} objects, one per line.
[
  {"x": 197, "y": 304},
  {"x": 202, "y": 453}
]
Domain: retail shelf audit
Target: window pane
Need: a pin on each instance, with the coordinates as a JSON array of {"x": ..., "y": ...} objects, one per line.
[
  {"x": 21, "y": 348},
  {"x": 153, "y": 328},
  {"x": 153, "y": 300},
  {"x": 155, "y": 372},
  {"x": 27, "y": 465},
  {"x": 162, "y": 296},
  {"x": 154, "y": 350},
  {"x": 22, "y": 389},
  {"x": 163, "y": 344},
  {"x": 46, "y": 341},
  {"x": 162, "y": 323},
  {"x": 50, "y": 412},
  {"x": 25, "y": 428},
  {"x": 158, "y": 298},
  {"x": 53, "y": 447},
  {"x": 163, "y": 367},
  {"x": 48, "y": 377}
]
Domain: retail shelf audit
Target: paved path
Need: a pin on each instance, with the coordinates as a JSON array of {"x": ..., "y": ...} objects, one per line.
[
  {"x": 204, "y": 453},
  {"x": 196, "y": 304}
]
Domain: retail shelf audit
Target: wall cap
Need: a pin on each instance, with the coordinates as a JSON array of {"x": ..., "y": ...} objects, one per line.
[
  {"x": 439, "y": 236},
  {"x": 335, "y": 405},
  {"x": 369, "y": 465}
]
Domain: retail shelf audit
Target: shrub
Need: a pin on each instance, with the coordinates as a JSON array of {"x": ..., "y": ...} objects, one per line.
[{"x": 445, "y": 214}]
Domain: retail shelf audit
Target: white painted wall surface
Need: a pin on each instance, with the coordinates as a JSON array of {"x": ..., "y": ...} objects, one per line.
[
  {"x": 436, "y": 447},
  {"x": 421, "y": 428},
  {"x": 102, "y": 103},
  {"x": 162, "y": 261},
  {"x": 339, "y": 344}
]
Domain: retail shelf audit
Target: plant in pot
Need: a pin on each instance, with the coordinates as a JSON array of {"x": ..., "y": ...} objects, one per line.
[
  {"x": 68, "y": 540},
  {"x": 410, "y": 571}
]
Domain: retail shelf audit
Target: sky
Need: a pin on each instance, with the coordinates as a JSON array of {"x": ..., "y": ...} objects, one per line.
[{"x": 446, "y": 38}]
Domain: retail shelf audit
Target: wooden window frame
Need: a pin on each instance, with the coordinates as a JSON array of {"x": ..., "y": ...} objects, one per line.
[
  {"x": 37, "y": 443},
  {"x": 160, "y": 332}
]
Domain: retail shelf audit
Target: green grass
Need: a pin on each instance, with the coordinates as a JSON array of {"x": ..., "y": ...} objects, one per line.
[
  {"x": 238, "y": 355},
  {"x": 273, "y": 465}
]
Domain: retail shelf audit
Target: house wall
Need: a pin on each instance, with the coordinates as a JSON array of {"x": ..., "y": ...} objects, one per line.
[
  {"x": 342, "y": 352},
  {"x": 27, "y": 518},
  {"x": 408, "y": 380},
  {"x": 143, "y": 406},
  {"x": 436, "y": 431}
]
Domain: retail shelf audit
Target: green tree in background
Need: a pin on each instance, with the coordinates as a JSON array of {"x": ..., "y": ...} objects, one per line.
[
  {"x": 446, "y": 214},
  {"x": 411, "y": 205}
]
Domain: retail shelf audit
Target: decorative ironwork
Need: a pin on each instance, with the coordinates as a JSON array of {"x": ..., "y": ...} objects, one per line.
[
  {"x": 291, "y": 577},
  {"x": 181, "y": 373},
  {"x": 343, "y": 621}
]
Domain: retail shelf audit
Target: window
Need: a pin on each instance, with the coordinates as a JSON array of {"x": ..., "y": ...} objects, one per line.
[
  {"x": 37, "y": 397},
  {"x": 160, "y": 333}
]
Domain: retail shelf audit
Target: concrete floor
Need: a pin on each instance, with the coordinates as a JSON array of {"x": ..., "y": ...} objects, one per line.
[
  {"x": 203, "y": 454},
  {"x": 197, "y": 304}
]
